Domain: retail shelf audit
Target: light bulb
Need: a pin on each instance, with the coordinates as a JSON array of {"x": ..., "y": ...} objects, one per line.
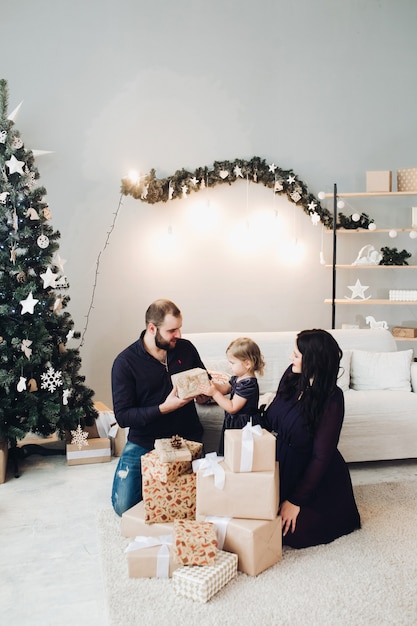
[
  {"x": 133, "y": 177},
  {"x": 356, "y": 217},
  {"x": 392, "y": 234},
  {"x": 372, "y": 226},
  {"x": 413, "y": 234},
  {"x": 340, "y": 204},
  {"x": 321, "y": 195}
]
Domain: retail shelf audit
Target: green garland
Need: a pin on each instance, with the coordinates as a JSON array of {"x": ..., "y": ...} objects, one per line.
[{"x": 151, "y": 189}]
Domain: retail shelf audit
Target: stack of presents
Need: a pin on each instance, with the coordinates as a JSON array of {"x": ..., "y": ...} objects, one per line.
[{"x": 202, "y": 519}]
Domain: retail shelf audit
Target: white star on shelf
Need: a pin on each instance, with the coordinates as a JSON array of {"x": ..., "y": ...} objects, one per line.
[
  {"x": 290, "y": 180},
  {"x": 312, "y": 206},
  {"x": 358, "y": 291},
  {"x": 49, "y": 278},
  {"x": 272, "y": 168},
  {"x": 28, "y": 304},
  {"x": 14, "y": 165}
]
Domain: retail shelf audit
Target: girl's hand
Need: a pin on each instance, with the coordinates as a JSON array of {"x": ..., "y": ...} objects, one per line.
[
  {"x": 289, "y": 513},
  {"x": 208, "y": 389}
]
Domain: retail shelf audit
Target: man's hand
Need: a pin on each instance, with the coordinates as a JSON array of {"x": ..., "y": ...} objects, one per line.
[{"x": 172, "y": 402}]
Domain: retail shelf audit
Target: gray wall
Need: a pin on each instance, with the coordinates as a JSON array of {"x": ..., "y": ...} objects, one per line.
[{"x": 326, "y": 88}]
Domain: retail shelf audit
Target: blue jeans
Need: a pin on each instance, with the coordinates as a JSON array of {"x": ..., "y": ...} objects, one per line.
[{"x": 127, "y": 481}]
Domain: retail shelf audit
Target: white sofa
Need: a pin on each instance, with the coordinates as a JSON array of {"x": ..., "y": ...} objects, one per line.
[{"x": 381, "y": 410}]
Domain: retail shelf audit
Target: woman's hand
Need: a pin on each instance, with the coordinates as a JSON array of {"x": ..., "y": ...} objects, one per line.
[{"x": 289, "y": 513}]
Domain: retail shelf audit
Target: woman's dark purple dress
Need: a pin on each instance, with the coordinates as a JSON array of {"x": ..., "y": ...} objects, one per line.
[{"x": 313, "y": 473}]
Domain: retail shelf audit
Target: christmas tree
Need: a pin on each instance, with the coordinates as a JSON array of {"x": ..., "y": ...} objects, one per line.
[{"x": 41, "y": 390}]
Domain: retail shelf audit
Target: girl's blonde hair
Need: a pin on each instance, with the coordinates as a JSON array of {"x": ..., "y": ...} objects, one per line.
[{"x": 245, "y": 349}]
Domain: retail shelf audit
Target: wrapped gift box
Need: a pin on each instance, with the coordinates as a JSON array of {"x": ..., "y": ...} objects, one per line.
[
  {"x": 249, "y": 450},
  {"x": 133, "y": 524},
  {"x": 96, "y": 451},
  {"x": 4, "y": 451},
  {"x": 202, "y": 583},
  {"x": 107, "y": 426},
  {"x": 257, "y": 543},
  {"x": 248, "y": 495},
  {"x": 195, "y": 543},
  {"x": 163, "y": 472},
  {"x": 165, "y": 502},
  {"x": 407, "y": 179},
  {"x": 188, "y": 382},
  {"x": 379, "y": 181},
  {"x": 147, "y": 560},
  {"x": 188, "y": 451},
  {"x": 403, "y": 331}
]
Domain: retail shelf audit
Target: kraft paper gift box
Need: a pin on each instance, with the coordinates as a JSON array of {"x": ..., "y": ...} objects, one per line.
[
  {"x": 248, "y": 495},
  {"x": 188, "y": 451},
  {"x": 251, "y": 449},
  {"x": 107, "y": 426},
  {"x": 195, "y": 543},
  {"x": 151, "y": 557},
  {"x": 188, "y": 382},
  {"x": 165, "y": 502},
  {"x": 407, "y": 179},
  {"x": 163, "y": 472},
  {"x": 379, "y": 181},
  {"x": 133, "y": 524},
  {"x": 96, "y": 451},
  {"x": 257, "y": 543},
  {"x": 202, "y": 583}
]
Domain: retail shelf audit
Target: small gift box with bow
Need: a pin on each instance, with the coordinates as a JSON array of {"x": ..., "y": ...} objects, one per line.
[
  {"x": 151, "y": 557},
  {"x": 251, "y": 449}
]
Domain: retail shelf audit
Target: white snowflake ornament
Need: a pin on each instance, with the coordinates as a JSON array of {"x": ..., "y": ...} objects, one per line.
[
  {"x": 79, "y": 437},
  {"x": 51, "y": 379}
]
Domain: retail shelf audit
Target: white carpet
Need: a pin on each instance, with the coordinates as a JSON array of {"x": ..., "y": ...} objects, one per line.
[{"x": 366, "y": 578}]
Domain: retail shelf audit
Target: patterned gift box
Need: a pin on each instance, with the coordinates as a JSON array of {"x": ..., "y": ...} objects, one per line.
[
  {"x": 407, "y": 179},
  {"x": 257, "y": 543},
  {"x": 202, "y": 583},
  {"x": 168, "y": 471},
  {"x": 195, "y": 543},
  {"x": 248, "y": 495},
  {"x": 96, "y": 451},
  {"x": 251, "y": 449},
  {"x": 165, "y": 502},
  {"x": 151, "y": 557},
  {"x": 168, "y": 453},
  {"x": 188, "y": 382},
  {"x": 133, "y": 524}
]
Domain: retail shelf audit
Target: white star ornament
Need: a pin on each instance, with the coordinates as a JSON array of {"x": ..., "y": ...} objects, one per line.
[
  {"x": 28, "y": 304},
  {"x": 14, "y": 165}
]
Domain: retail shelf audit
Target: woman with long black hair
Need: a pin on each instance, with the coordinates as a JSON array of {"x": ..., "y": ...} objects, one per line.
[{"x": 317, "y": 504}]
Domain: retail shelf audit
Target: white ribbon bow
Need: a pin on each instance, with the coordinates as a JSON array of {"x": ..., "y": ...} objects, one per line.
[
  {"x": 210, "y": 466},
  {"x": 162, "y": 563},
  {"x": 246, "y": 456},
  {"x": 220, "y": 524}
]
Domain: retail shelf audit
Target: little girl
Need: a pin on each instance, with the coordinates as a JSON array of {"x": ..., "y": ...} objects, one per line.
[{"x": 245, "y": 360}]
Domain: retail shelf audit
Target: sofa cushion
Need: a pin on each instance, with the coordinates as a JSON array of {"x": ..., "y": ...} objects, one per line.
[{"x": 381, "y": 370}]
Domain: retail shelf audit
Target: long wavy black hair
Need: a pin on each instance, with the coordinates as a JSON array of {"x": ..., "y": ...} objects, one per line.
[{"x": 319, "y": 372}]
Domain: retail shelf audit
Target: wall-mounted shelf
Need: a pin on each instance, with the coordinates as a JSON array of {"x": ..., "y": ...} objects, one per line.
[
  {"x": 373, "y": 267},
  {"x": 369, "y": 301},
  {"x": 355, "y": 231}
]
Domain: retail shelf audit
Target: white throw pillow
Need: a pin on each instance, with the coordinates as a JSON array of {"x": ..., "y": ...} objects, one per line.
[
  {"x": 381, "y": 370},
  {"x": 343, "y": 380}
]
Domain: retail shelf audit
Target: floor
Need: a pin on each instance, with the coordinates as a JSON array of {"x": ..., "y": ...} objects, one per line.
[{"x": 50, "y": 569}]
